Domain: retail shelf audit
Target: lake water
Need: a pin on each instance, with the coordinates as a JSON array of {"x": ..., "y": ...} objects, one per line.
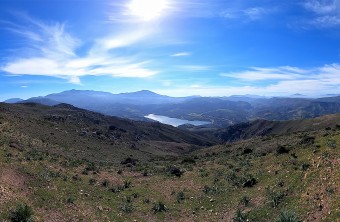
[{"x": 174, "y": 121}]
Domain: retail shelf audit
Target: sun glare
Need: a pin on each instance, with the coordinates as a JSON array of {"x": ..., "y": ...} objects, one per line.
[{"x": 147, "y": 10}]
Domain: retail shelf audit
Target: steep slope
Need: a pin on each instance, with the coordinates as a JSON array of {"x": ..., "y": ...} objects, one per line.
[
  {"x": 266, "y": 127},
  {"x": 97, "y": 137}
]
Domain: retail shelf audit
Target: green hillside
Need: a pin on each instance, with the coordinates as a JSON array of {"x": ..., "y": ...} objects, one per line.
[{"x": 51, "y": 170}]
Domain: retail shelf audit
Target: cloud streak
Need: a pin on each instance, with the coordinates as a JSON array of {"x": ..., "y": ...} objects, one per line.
[
  {"x": 54, "y": 53},
  {"x": 326, "y": 13},
  {"x": 181, "y": 54}
]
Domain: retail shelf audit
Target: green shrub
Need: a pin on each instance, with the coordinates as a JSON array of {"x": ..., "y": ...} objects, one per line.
[
  {"x": 287, "y": 216},
  {"x": 92, "y": 181},
  {"x": 172, "y": 170},
  {"x": 126, "y": 207},
  {"x": 305, "y": 166},
  {"x": 180, "y": 196},
  {"x": 70, "y": 200},
  {"x": 23, "y": 213},
  {"x": 274, "y": 197},
  {"x": 188, "y": 160},
  {"x": 127, "y": 184},
  {"x": 331, "y": 143},
  {"x": 281, "y": 149},
  {"x": 105, "y": 183},
  {"x": 211, "y": 190},
  {"x": 245, "y": 201},
  {"x": 159, "y": 207},
  {"x": 239, "y": 216}
]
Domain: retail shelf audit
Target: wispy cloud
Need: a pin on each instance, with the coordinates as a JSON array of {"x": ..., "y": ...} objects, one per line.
[
  {"x": 54, "y": 53},
  {"x": 250, "y": 14},
  {"x": 326, "y": 13},
  {"x": 276, "y": 81},
  {"x": 260, "y": 74},
  {"x": 193, "y": 68},
  {"x": 181, "y": 54}
]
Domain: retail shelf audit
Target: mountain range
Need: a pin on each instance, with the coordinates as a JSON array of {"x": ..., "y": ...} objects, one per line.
[{"x": 220, "y": 111}]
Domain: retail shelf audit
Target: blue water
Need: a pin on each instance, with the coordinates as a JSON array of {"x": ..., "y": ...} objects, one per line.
[{"x": 174, "y": 121}]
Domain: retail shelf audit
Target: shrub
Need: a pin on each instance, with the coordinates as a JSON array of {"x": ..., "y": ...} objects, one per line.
[
  {"x": 287, "y": 216},
  {"x": 126, "y": 207},
  {"x": 146, "y": 200},
  {"x": 180, "y": 197},
  {"x": 274, "y": 197},
  {"x": 330, "y": 190},
  {"x": 245, "y": 201},
  {"x": 211, "y": 190},
  {"x": 305, "y": 166},
  {"x": 307, "y": 140},
  {"x": 70, "y": 200},
  {"x": 188, "y": 160},
  {"x": 239, "y": 216},
  {"x": 281, "y": 149},
  {"x": 248, "y": 181},
  {"x": 172, "y": 170},
  {"x": 159, "y": 207},
  {"x": 92, "y": 181},
  {"x": 129, "y": 161},
  {"x": 331, "y": 143},
  {"x": 127, "y": 184},
  {"x": 23, "y": 213},
  {"x": 238, "y": 181},
  {"x": 105, "y": 183}
]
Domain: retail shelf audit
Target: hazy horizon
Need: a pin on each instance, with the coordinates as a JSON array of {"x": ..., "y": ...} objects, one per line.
[
  {"x": 242, "y": 95},
  {"x": 207, "y": 48}
]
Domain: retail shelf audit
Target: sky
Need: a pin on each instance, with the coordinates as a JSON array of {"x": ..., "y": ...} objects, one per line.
[{"x": 171, "y": 47}]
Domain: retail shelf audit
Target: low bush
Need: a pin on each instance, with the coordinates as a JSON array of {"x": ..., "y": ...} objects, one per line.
[
  {"x": 23, "y": 213},
  {"x": 287, "y": 216},
  {"x": 180, "y": 197},
  {"x": 159, "y": 207},
  {"x": 172, "y": 170},
  {"x": 274, "y": 197}
]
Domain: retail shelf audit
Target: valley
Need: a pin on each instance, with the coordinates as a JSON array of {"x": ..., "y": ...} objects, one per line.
[{"x": 219, "y": 111}]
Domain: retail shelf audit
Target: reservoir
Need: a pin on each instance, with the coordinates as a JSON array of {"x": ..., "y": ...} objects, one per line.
[{"x": 174, "y": 121}]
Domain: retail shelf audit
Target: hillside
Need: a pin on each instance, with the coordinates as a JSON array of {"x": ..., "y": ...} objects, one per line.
[
  {"x": 105, "y": 139},
  {"x": 266, "y": 127},
  {"x": 62, "y": 164}
]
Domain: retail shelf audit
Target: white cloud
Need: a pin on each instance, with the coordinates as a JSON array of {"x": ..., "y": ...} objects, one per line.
[
  {"x": 252, "y": 14},
  {"x": 284, "y": 81},
  {"x": 54, "y": 53},
  {"x": 326, "y": 13},
  {"x": 255, "y": 13},
  {"x": 193, "y": 68},
  {"x": 322, "y": 6},
  {"x": 259, "y": 74},
  {"x": 181, "y": 54}
]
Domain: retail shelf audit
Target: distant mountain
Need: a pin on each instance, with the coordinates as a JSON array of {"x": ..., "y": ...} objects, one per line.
[
  {"x": 41, "y": 100},
  {"x": 13, "y": 100},
  {"x": 82, "y": 98},
  {"x": 220, "y": 111}
]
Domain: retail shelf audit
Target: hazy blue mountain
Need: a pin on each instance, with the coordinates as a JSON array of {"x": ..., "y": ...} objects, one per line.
[
  {"x": 41, "y": 100},
  {"x": 220, "y": 111},
  {"x": 13, "y": 100},
  {"x": 86, "y": 98}
]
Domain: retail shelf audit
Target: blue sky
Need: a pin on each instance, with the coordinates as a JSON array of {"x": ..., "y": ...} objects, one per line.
[{"x": 172, "y": 47}]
